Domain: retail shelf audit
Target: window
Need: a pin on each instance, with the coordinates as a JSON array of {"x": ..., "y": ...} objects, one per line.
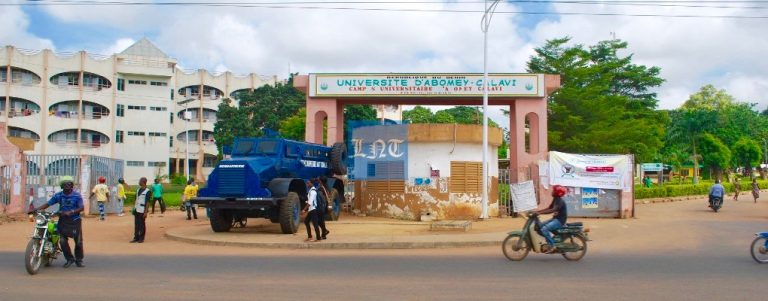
[
  {"x": 156, "y": 134},
  {"x": 120, "y": 84},
  {"x": 119, "y": 137},
  {"x": 171, "y": 94},
  {"x": 385, "y": 177},
  {"x": 466, "y": 177},
  {"x": 140, "y": 108},
  {"x": 155, "y": 163},
  {"x": 135, "y": 163},
  {"x": 158, "y": 109},
  {"x": 171, "y": 141},
  {"x": 120, "y": 110},
  {"x": 131, "y": 133},
  {"x": 159, "y": 84},
  {"x": 171, "y": 118},
  {"x": 209, "y": 162},
  {"x": 136, "y": 82}
]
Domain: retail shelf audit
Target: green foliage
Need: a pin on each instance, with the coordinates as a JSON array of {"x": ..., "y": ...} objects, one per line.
[
  {"x": 747, "y": 153},
  {"x": 293, "y": 127},
  {"x": 717, "y": 155},
  {"x": 359, "y": 112},
  {"x": 178, "y": 179},
  {"x": 605, "y": 103},
  {"x": 418, "y": 114},
  {"x": 265, "y": 107},
  {"x": 673, "y": 190},
  {"x": 443, "y": 117}
]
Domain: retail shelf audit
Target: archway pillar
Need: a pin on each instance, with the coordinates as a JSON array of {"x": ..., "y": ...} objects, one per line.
[{"x": 331, "y": 109}]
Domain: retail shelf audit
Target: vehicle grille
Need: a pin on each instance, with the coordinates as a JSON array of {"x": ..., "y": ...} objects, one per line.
[{"x": 231, "y": 182}]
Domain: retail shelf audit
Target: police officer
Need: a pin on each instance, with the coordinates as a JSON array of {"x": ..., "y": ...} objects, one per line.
[{"x": 70, "y": 224}]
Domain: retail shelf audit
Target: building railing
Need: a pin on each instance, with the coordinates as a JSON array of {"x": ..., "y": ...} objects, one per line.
[
  {"x": 73, "y": 142},
  {"x": 20, "y": 113},
  {"x": 74, "y": 114}
]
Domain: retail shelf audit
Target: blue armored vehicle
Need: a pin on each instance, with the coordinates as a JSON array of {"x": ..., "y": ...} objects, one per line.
[{"x": 265, "y": 177}]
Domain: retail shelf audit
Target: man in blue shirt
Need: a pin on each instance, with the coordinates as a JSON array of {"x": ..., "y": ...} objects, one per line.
[
  {"x": 717, "y": 191},
  {"x": 70, "y": 224}
]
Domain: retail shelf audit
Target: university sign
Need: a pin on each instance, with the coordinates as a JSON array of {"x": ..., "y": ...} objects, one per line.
[{"x": 425, "y": 85}]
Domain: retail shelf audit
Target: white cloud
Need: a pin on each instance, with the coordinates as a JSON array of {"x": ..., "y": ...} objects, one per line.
[
  {"x": 117, "y": 47},
  {"x": 691, "y": 52},
  {"x": 15, "y": 26}
]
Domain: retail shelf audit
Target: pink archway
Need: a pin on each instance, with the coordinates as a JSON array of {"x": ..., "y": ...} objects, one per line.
[{"x": 523, "y": 165}]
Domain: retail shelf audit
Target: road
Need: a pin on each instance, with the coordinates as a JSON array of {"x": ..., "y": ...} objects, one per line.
[{"x": 673, "y": 251}]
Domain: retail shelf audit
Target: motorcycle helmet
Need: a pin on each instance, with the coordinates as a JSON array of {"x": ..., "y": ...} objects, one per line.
[
  {"x": 558, "y": 191},
  {"x": 102, "y": 179},
  {"x": 121, "y": 181},
  {"x": 65, "y": 180}
]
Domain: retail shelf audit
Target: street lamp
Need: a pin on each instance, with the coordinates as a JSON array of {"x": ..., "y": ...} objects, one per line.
[
  {"x": 187, "y": 117},
  {"x": 485, "y": 22}
]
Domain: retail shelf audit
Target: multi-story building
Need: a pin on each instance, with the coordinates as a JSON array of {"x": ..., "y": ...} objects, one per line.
[{"x": 128, "y": 106}]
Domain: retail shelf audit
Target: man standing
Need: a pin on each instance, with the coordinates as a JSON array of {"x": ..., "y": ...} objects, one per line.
[
  {"x": 70, "y": 224},
  {"x": 101, "y": 191},
  {"x": 157, "y": 196},
  {"x": 190, "y": 192},
  {"x": 143, "y": 195}
]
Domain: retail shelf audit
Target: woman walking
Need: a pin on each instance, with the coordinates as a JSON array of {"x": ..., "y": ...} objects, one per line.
[
  {"x": 736, "y": 189},
  {"x": 755, "y": 189}
]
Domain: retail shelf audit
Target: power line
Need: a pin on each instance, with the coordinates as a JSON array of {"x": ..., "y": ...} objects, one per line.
[{"x": 305, "y": 6}]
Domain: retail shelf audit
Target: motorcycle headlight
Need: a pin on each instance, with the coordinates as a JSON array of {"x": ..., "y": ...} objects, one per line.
[{"x": 40, "y": 220}]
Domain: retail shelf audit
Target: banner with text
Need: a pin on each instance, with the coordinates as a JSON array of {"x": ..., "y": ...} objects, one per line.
[
  {"x": 596, "y": 171},
  {"x": 425, "y": 85}
]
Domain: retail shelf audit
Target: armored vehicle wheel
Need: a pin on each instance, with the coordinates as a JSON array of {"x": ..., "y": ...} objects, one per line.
[
  {"x": 221, "y": 220},
  {"x": 335, "y": 203},
  {"x": 338, "y": 154},
  {"x": 289, "y": 213}
]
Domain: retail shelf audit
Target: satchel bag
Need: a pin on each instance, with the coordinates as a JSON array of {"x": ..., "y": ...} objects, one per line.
[{"x": 133, "y": 211}]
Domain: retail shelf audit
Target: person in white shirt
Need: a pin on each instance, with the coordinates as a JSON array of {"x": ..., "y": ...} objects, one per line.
[
  {"x": 143, "y": 195},
  {"x": 311, "y": 209}
]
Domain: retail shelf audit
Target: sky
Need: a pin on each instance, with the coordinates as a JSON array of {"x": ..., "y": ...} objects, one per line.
[{"x": 722, "y": 43}]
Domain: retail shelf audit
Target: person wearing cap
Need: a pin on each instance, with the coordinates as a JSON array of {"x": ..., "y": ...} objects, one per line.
[
  {"x": 121, "y": 195},
  {"x": 70, "y": 224},
  {"x": 101, "y": 191}
]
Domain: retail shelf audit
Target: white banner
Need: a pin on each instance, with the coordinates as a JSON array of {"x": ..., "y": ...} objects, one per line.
[
  {"x": 425, "y": 84},
  {"x": 523, "y": 196},
  {"x": 607, "y": 172}
]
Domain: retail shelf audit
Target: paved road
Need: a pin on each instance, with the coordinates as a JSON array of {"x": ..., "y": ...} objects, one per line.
[{"x": 673, "y": 251}]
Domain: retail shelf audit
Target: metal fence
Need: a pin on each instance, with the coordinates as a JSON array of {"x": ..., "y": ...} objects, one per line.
[
  {"x": 45, "y": 171},
  {"x": 5, "y": 185}
]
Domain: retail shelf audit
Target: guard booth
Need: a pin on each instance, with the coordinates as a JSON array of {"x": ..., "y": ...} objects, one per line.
[{"x": 44, "y": 172}]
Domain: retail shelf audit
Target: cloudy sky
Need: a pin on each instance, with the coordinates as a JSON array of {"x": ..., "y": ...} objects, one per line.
[{"x": 722, "y": 43}]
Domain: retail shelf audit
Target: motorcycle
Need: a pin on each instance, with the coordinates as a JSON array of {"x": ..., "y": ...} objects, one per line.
[
  {"x": 759, "y": 247},
  {"x": 716, "y": 203},
  {"x": 43, "y": 247},
  {"x": 570, "y": 240}
]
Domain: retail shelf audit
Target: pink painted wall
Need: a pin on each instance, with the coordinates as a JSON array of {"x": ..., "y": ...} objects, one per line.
[{"x": 13, "y": 160}]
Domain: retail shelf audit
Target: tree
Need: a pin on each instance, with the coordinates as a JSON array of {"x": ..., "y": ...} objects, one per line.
[
  {"x": 717, "y": 156},
  {"x": 443, "y": 117},
  {"x": 359, "y": 112},
  {"x": 605, "y": 103},
  {"x": 265, "y": 107},
  {"x": 294, "y": 127},
  {"x": 418, "y": 114},
  {"x": 747, "y": 153},
  {"x": 686, "y": 129}
]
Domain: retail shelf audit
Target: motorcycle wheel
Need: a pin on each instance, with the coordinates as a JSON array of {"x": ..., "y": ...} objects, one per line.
[
  {"x": 716, "y": 204},
  {"x": 31, "y": 260},
  {"x": 510, "y": 249},
  {"x": 578, "y": 241},
  {"x": 758, "y": 250}
]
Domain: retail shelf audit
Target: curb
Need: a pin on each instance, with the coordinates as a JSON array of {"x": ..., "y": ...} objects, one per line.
[{"x": 339, "y": 245}]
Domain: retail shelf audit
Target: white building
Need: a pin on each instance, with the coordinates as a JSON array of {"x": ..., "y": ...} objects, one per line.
[{"x": 124, "y": 106}]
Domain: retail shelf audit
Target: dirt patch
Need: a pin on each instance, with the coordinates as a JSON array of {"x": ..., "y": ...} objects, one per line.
[{"x": 4, "y": 218}]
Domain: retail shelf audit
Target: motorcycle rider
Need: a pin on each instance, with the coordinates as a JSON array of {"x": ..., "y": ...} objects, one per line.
[
  {"x": 558, "y": 219},
  {"x": 70, "y": 224},
  {"x": 717, "y": 190}
]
